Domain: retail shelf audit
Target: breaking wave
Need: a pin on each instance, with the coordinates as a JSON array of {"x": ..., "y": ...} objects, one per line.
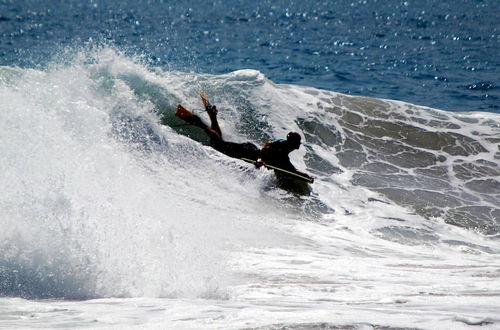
[{"x": 106, "y": 193}]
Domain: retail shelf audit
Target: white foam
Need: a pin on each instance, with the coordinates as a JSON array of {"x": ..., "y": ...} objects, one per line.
[{"x": 136, "y": 223}]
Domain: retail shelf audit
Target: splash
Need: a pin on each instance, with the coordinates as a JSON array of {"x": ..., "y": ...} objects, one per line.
[{"x": 102, "y": 200}]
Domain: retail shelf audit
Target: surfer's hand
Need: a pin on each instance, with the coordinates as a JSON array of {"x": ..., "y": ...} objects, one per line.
[
  {"x": 259, "y": 163},
  {"x": 310, "y": 178}
]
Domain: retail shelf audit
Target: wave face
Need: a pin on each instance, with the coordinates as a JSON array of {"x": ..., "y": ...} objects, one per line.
[
  {"x": 106, "y": 194},
  {"x": 439, "y": 164}
]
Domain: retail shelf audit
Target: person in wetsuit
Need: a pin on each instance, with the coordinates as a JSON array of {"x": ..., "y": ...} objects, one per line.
[{"x": 273, "y": 153}]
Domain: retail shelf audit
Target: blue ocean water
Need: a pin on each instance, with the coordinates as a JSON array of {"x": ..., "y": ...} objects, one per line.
[{"x": 442, "y": 54}]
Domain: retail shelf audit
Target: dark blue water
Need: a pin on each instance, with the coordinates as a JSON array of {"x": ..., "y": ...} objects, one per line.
[{"x": 443, "y": 54}]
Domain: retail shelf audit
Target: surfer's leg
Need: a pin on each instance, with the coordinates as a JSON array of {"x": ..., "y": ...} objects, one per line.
[
  {"x": 212, "y": 133},
  {"x": 189, "y": 117},
  {"x": 215, "y": 138},
  {"x": 212, "y": 113},
  {"x": 196, "y": 121}
]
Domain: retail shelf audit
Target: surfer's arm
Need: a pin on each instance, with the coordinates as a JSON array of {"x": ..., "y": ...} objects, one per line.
[
  {"x": 292, "y": 169},
  {"x": 288, "y": 166}
]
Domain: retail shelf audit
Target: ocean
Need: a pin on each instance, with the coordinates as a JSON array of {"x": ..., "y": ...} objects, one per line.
[{"x": 117, "y": 215}]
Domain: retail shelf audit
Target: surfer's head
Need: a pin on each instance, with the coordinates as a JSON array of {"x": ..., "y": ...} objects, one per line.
[{"x": 293, "y": 139}]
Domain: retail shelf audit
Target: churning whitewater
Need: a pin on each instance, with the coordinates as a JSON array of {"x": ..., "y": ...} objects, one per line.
[{"x": 116, "y": 214}]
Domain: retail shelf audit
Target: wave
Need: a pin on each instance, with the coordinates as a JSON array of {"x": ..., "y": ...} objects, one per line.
[
  {"x": 439, "y": 164},
  {"x": 107, "y": 193}
]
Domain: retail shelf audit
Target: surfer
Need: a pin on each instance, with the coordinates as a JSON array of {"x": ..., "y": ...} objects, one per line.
[{"x": 273, "y": 155}]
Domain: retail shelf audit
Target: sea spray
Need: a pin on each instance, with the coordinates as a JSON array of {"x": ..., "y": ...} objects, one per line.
[{"x": 100, "y": 200}]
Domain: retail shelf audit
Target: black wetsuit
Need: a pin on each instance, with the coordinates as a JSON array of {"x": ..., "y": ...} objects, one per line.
[
  {"x": 276, "y": 154},
  {"x": 237, "y": 150},
  {"x": 231, "y": 149}
]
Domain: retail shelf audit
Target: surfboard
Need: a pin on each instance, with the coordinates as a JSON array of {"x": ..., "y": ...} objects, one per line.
[{"x": 284, "y": 173}]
